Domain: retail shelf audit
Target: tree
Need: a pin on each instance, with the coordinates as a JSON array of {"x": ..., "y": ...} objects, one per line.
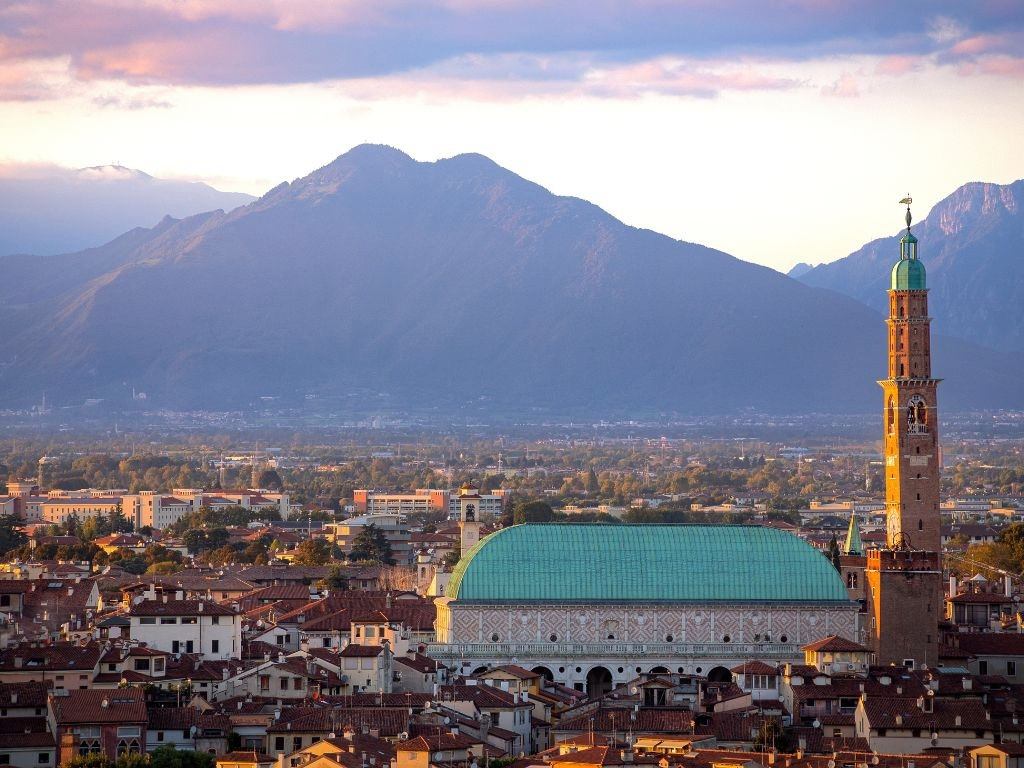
[
  {"x": 451, "y": 559},
  {"x": 169, "y": 757},
  {"x": 313, "y": 552},
  {"x": 270, "y": 480},
  {"x": 12, "y": 533},
  {"x": 533, "y": 512},
  {"x": 371, "y": 545},
  {"x": 833, "y": 554},
  {"x": 335, "y": 579}
]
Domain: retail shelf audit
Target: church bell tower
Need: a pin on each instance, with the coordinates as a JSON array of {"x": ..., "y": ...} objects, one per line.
[{"x": 904, "y": 579}]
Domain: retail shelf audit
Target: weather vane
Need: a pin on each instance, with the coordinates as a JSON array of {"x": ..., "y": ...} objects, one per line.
[{"x": 907, "y": 201}]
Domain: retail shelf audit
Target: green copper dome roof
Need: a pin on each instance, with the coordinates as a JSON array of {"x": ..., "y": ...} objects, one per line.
[
  {"x": 908, "y": 275},
  {"x": 673, "y": 563}
]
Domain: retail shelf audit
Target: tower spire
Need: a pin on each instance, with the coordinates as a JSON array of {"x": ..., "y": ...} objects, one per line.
[{"x": 853, "y": 545}]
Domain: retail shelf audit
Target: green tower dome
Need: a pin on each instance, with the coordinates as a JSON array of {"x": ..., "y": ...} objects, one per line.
[{"x": 908, "y": 274}]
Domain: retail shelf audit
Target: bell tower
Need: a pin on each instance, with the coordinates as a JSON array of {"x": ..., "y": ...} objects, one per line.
[
  {"x": 904, "y": 580},
  {"x": 911, "y": 412}
]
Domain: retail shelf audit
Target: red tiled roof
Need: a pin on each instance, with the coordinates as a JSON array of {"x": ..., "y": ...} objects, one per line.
[
  {"x": 124, "y": 705},
  {"x": 994, "y": 643},
  {"x": 754, "y": 668},
  {"x": 834, "y": 643},
  {"x": 179, "y": 608}
]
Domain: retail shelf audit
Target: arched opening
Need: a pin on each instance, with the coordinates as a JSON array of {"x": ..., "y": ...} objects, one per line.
[
  {"x": 719, "y": 675},
  {"x": 599, "y": 682},
  {"x": 545, "y": 673},
  {"x": 659, "y": 670},
  {"x": 480, "y": 670}
]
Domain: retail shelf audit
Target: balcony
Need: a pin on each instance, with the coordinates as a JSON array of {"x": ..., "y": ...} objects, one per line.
[{"x": 781, "y": 651}]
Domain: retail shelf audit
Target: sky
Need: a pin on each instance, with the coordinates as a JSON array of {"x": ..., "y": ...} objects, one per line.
[{"x": 776, "y": 130}]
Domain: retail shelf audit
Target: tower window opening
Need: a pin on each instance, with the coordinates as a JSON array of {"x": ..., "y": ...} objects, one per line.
[
  {"x": 917, "y": 415},
  {"x": 919, "y": 497},
  {"x": 901, "y": 369},
  {"x": 920, "y": 523}
]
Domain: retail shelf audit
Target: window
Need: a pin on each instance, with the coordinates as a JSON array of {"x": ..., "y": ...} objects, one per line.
[
  {"x": 1011, "y": 668},
  {"x": 159, "y": 735},
  {"x": 188, "y": 620},
  {"x": 982, "y": 667},
  {"x": 5, "y": 600},
  {"x": 142, "y": 665},
  {"x": 43, "y": 758},
  {"x": 147, "y": 620},
  {"x": 215, "y": 619},
  {"x": 215, "y": 646},
  {"x": 296, "y": 743},
  {"x": 284, "y": 683},
  {"x": 280, "y": 639},
  {"x": 264, "y": 682},
  {"x": 169, "y": 620},
  {"x": 88, "y": 739},
  {"x": 279, "y": 744}
]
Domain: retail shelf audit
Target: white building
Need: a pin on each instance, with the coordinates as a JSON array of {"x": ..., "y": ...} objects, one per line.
[{"x": 187, "y": 626}]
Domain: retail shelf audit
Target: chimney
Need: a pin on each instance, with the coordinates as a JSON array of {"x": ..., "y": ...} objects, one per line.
[
  {"x": 225, "y": 673},
  {"x": 179, "y": 594},
  {"x": 200, "y": 606},
  {"x": 1008, "y": 585},
  {"x": 18, "y": 662},
  {"x": 14, "y": 697}
]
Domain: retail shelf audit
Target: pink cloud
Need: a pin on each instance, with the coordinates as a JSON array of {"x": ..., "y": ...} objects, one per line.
[
  {"x": 899, "y": 64},
  {"x": 1001, "y": 66},
  {"x": 847, "y": 86},
  {"x": 979, "y": 44}
]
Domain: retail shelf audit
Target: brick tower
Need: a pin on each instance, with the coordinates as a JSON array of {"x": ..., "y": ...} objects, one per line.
[{"x": 904, "y": 579}]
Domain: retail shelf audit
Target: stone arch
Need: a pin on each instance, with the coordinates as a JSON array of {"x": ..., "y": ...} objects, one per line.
[
  {"x": 719, "y": 675},
  {"x": 545, "y": 672},
  {"x": 659, "y": 670},
  {"x": 480, "y": 670},
  {"x": 599, "y": 681}
]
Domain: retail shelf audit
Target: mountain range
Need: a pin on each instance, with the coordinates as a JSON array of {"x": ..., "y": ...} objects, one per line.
[
  {"x": 972, "y": 245},
  {"x": 57, "y": 210},
  {"x": 381, "y": 279}
]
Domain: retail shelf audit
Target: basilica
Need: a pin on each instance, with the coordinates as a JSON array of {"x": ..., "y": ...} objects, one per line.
[{"x": 591, "y": 606}]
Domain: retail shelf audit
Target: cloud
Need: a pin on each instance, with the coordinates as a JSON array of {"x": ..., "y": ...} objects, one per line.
[
  {"x": 506, "y": 76},
  {"x": 899, "y": 64},
  {"x": 616, "y": 47},
  {"x": 944, "y": 30},
  {"x": 129, "y": 102},
  {"x": 847, "y": 86}
]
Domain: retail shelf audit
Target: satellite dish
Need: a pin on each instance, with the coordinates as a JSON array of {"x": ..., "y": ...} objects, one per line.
[{"x": 817, "y": 724}]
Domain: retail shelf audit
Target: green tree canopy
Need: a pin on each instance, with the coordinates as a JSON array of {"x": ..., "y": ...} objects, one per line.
[
  {"x": 533, "y": 512},
  {"x": 371, "y": 545},
  {"x": 313, "y": 552}
]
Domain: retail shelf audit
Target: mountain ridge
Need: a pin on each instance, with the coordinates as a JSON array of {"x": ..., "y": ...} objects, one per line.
[
  {"x": 377, "y": 276},
  {"x": 56, "y": 210},
  {"x": 971, "y": 243}
]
